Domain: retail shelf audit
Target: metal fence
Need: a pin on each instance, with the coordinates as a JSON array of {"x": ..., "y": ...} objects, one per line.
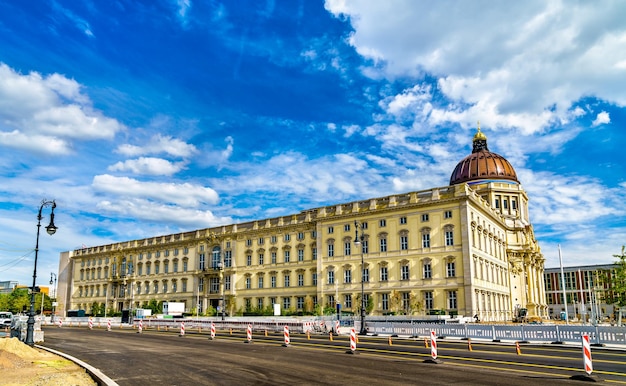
[{"x": 600, "y": 335}]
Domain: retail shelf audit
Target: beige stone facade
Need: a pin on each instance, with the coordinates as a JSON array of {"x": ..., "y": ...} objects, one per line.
[{"x": 466, "y": 249}]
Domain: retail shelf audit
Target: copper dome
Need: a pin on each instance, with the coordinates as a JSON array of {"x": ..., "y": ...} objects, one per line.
[{"x": 482, "y": 164}]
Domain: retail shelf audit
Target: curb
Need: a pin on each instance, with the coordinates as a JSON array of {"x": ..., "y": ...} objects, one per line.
[{"x": 98, "y": 376}]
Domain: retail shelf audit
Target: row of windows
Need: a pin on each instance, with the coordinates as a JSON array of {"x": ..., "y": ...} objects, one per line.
[
  {"x": 427, "y": 273},
  {"x": 382, "y": 243},
  {"x": 140, "y": 256},
  {"x": 140, "y": 288},
  {"x": 383, "y": 222},
  {"x": 274, "y": 239}
]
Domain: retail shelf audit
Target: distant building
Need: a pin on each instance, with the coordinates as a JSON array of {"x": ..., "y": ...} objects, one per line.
[
  {"x": 467, "y": 249},
  {"x": 585, "y": 292},
  {"x": 6, "y": 287}
]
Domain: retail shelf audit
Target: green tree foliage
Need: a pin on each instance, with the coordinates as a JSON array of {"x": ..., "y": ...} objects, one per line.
[{"x": 617, "y": 281}]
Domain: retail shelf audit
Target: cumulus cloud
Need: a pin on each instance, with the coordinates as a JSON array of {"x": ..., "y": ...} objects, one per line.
[
  {"x": 601, "y": 118},
  {"x": 159, "y": 144},
  {"x": 48, "y": 111},
  {"x": 185, "y": 194},
  {"x": 148, "y": 165},
  {"x": 512, "y": 65}
]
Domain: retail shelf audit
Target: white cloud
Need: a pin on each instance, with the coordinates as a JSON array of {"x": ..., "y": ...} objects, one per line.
[
  {"x": 513, "y": 65},
  {"x": 159, "y": 144},
  {"x": 48, "y": 111},
  {"x": 149, "y": 166},
  {"x": 601, "y": 118},
  {"x": 186, "y": 194},
  {"x": 150, "y": 211}
]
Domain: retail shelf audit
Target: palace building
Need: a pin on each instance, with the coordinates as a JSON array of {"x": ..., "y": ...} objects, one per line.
[{"x": 463, "y": 249}]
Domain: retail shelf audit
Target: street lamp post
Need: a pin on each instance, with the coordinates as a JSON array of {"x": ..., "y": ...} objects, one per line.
[
  {"x": 358, "y": 241},
  {"x": 52, "y": 274},
  {"x": 51, "y": 229},
  {"x": 220, "y": 267}
]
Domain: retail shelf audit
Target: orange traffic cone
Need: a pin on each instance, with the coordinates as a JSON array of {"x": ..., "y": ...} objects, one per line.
[
  {"x": 519, "y": 351},
  {"x": 425, "y": 342},
  {"x": 330, "y": 336},
  {"x": 469, "y": 344},
  {"x": 390, "y": 341}
]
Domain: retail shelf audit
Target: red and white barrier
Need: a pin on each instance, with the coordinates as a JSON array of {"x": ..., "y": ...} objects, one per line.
[
  {"x": 182, "y": 329},
  {"x": 352, "y": 340},
  {"x": 212, "y": 330},
  {"x": 109, "y": 325},
  {"x": 587, "y": 362},
  {"x": 90, "y": 324},
  {"x": 337, "y": 325},
  {"x": 433, "y": 345},
  {"x": 287, "y": 338},
  {"x": 249, "y": 334},
  {"x": 140, "y": 326},
  {"x": 60, "y": 322}
]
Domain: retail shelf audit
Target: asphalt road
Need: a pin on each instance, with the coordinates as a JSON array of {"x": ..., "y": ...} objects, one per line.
[{"x": 165, "y": 358}]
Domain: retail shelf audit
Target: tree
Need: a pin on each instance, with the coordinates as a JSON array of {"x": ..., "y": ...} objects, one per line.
[{"x": 617, "y": 281}]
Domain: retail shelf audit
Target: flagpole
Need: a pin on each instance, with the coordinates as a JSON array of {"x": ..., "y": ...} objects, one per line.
[{"x": 563, "y": 286}]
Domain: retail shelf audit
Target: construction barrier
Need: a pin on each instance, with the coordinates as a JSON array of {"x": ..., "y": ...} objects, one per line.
[
  {"x": 90, "y": 324},
  {"x": 109, "y": 325},
  {"x": 286, "y": 335},
  {"x": 182, "y": 329},
  {"x": 249, "y": 334},
  {"x": 140, "y": 327},
  {"x": 433, "y": 345},
  {"x": 587, "y": 362},
  {"x": 212, "y": 330},
  {"x": 352, "y": 340}
]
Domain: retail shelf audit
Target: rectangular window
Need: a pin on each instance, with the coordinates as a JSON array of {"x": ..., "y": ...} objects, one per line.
[
  {"x": 300, "y": 235},
  {"x": 248, "y": 242},
  {"x": 382, "y": 223},
  {"x": 452, "y": 301},
  {"x": 156, "y": 268},
  {"x": 425, "y": 217},
  {"x": 366, "y": 275},
  {"x": 248, "y": 283},
  {"x": 331, "y": 277},
  {"x": 346, "y": 248},
  {"x": 331, "y": 229},
  {"x": 287, "y": 237},
  {"x": 227, "y": 283},
  {"x": 331, "y": 250},
  {"x": 403, "y": 220},
  {"x": 384, "y": 299},
  {"x": 300, "y": 280},
  {"x": 406, "y": 301},
  {"x": 383, "y": 245},
  {"x": 260, "y": 281},
  {"x": 314, "y": 278},
  {"x": 404, "y": 272},
  {"x": 347, "y": 301},
  {"x": 428, "y": 300},
  {"x": 384, "y": 274},
  {"x": 286, "y": 303},
  {"x": 451, "y": 271},
  {"x": 447, "y": 214},
  {"x": 331, "y": 301},
  {"x": 273, "y": 239},
  {"x": 347, "y": 276},
  {"x": 428, "y": 272},
  {"x": 346, "y": 228},
  {"x": 365, "y": 246},
  {"x": 261, "y": 258},
  {"x": 404, "y": 242},
  {"x": 259, "y": 303},
  {"x": 185, "y": 265},
  {"x": 261, "y": 240},
  {"x": 175, "y": 266},
  {"x": 425, "y": 240},
  {"x": 287, "y": 255},
  {"x": 449, "y": 238},
  {"x": 300, "y": 254},
  {"x": 505, "y": 204},
  {"x": 300, "y": 302},
  {"x": 214, "y": 285},
  {"x": 287, "y": 280},
  {"x": 201, "y": 285},
  {"x": 249, "y": 260},
  {"x": 497, "y": 202},
  {"x": 201, "y": 265},
  {"x": 273, "y": 281},
  {"x": 314, "y": 253},
  {"x": 273, "y": 257},
  {"x": 175, "y": 251},
  {"x": 184, "y": 286},
  {"x": 228, "y": 259}
]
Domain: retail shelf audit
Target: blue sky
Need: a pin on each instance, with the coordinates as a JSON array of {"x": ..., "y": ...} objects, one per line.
[{"x": 143, "y": 118}]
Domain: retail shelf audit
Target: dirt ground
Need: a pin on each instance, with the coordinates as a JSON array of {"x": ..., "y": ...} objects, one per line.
[{"x": 21, "y": 365}]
